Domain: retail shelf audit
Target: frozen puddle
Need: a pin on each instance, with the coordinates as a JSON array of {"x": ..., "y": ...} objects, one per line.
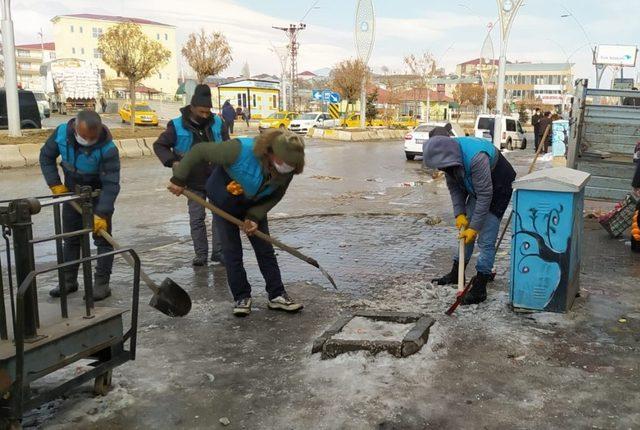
[{"x": 361, "y": 328}]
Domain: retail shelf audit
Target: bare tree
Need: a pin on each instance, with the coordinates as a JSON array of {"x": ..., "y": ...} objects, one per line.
[
  {"x": 208, "y": 55},
  {"x": 128, "y": 51},
  {"x": 424, "y": 67},
  {"x": 347, "y": 78}
]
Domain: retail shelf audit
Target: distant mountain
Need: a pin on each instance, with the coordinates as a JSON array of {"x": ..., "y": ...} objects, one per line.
[{"x": 324, "y": 72}]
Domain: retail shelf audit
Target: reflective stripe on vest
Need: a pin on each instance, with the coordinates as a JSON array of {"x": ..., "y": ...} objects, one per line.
[
  {"x": 184, "y": 136},
  {"x": 470, "y": 147},
  {"x": 247, "y": 171},
  {"x": 84, "y": 162}
]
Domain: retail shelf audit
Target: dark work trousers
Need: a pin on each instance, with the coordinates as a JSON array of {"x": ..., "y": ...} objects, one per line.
[
  {"x": 197, "y": 218},
  {"x": 72, "y": 221},
  {"x": 230, "y": 125},
  {"x": 230, "y": 239}
]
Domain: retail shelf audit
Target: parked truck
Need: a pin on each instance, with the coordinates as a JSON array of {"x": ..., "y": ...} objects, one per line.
[
  {"x": 72, "y": 84},
  {"x": 604, "y": 132}
]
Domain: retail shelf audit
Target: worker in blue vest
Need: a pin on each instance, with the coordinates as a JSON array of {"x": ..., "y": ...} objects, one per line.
[
  {"x": 253, "y": 176},
  {"x": 479, "y": 180},
  {"x": 90, "y": 158},
  {"x": 194, "y": 127}
]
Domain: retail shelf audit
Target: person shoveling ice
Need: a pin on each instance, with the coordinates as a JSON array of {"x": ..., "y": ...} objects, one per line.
[{"x": 479, "y": 180}]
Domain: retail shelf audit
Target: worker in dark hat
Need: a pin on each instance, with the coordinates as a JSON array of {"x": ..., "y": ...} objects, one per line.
[
  {"x": 445, "y": 130},
  {"x": 88, "y": 157},
  {"x": 194, "y": 127},
  {"x": 253, "y": 177},
  {"x": 480, "y": 180}
]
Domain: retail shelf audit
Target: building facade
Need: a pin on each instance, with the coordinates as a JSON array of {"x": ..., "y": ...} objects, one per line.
[
  {"x": 29, "y": 58},
  {"x": 545, "y": 83},
  {"x": 476, "y": 66},
  {"x": 76, "y": 36},
  {"x": 259, "y": 98}
]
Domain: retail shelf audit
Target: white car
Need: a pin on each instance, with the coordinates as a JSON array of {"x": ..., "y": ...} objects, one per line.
[
  {"x": 43, "y": 104},
  {"x": 513, "y": 136},
  {"x": 309, "y": 120},
  {"x": 415, "y": 139}
]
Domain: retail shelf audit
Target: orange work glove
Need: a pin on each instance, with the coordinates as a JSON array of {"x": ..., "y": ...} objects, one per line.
[
  {"x": 469, "y": 235},
  {"x": 462, "y": 221},
  {"x": 59, "y": 189},
  {"x": 99, "y": 224},
  {"x": 235, "y": 188}
]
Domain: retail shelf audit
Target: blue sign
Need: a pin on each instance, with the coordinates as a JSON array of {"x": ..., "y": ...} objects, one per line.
[
  {"x": 334, "y": 98},
  {"x": 317, "y": 95},
  {"x": 326, "y": 95}
]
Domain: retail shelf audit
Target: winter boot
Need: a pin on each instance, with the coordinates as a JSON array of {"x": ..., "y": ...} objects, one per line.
[
  {"x": 478, "y": 291},
  {"x": 449, "y": 278},
  {"x": 101, "y": 288},
  {"x": 199, "y": 260},
  {"x": 71, "y": 283}
]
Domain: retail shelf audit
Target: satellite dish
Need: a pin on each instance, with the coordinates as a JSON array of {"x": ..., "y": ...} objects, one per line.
[{"x": 365, "y": 29}]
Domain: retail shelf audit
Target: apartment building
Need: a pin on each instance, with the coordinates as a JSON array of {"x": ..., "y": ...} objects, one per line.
[{"x": 29, "y": 58}]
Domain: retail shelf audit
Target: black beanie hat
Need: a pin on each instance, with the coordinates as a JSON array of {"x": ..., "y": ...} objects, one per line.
[{"x": 202, "y": 96}]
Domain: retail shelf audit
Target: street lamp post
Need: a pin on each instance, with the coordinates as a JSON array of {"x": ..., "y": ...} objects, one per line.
[
  {"x": 10, "y": 74},
  {"x": 508, "y": 10},
  {"x": 365, "y": 34}
]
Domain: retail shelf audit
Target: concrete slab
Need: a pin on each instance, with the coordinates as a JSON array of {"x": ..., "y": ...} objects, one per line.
[
  {"x": 31, "y": 153},
  {"x": 144, "y": 148},
  {"x": 10, "y": 156},
  {"x": 130, "y": 148}
]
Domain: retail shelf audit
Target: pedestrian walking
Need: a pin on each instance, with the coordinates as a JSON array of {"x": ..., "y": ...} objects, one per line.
[
  {"x": 535, "y": 122},
  {"x": 229, "y": 115},
  {"x": 103, "y": 104},
  {"x": 88, "y": 158},
  {"x": 196, "y": 126},
  {"x": 246, "y": 115},
  {"x": 479, "y": 180},
  {"x": 544, "y": 122},
  {"x": 253, "y": 177}
]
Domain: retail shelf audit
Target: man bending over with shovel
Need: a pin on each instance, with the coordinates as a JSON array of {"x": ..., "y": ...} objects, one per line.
[
  {"x": 254, "y": 177},
  {"x": 479, "y": 179}
]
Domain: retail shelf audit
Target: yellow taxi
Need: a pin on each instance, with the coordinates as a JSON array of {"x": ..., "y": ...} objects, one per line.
[
  {"x": 280, "y": 120},
  {"x": 406, "y": 121},
  {"x": 353, "y": 120},
  {"x": 143, "y": 113}
]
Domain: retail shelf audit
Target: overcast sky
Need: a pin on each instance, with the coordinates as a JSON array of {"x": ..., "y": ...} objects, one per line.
[{"x": 453, "y": 30}]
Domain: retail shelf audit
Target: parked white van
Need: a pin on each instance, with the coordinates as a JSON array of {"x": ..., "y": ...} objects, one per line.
[{"x": 513, "y": 136}]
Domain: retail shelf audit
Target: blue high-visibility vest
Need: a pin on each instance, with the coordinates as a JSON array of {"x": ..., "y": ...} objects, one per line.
[
  {"x": 87, "y": 160},
  {"x": 470, "y": 147},
  {"x": 247, "y": 171},
  {"x": 184, "y": 140}
]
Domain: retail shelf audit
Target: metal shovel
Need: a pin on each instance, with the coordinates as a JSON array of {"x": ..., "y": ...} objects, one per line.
[
  {"x": 169, "y": 298},
  {"x": 196, "y": 198}
]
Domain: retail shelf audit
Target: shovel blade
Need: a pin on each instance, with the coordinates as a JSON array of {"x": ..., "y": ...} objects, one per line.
[{"x": 171, "y": 299}]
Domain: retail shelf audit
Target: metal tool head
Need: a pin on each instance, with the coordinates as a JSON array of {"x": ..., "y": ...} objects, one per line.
[
  {"x": 329, "y": 277},
  {"x": 171, "y": 299}
]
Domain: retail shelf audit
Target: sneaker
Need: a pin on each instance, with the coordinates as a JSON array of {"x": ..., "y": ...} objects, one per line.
[
  {"x": 199, "y": 260},
  {"x": 217, "y": 258},
  {"x": 242, "y": 307},
  {"x": 284, "y": 303}
]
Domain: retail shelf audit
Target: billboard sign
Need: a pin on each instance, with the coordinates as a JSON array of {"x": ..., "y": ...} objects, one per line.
[{"x": 616, "y": 55}]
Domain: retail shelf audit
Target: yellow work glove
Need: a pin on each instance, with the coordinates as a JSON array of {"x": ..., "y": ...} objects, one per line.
[
  {"x": 462, "y": 221},
  {"x": 59, "y": 189},
  {"x": 469, "y": 235},
  {"x": 99, "y": 224}
]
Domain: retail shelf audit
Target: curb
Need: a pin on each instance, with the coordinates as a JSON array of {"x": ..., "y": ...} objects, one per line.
[
  {"x": 31, "y": 153},
  {"x": 11, "y": 157}
]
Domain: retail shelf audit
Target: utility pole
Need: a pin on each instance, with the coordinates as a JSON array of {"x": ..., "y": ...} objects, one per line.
[
  {"x": 283, "y": 57},
  {"x": 292, "y": 33},
  {"x": 10, "y": 73}
]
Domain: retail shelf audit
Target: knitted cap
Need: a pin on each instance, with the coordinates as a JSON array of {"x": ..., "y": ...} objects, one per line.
[
  {"x": 202, "y": 96},
  {"x": 289, "y": 148}
]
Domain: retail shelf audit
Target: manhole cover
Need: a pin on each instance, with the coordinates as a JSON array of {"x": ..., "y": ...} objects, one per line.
[{"x": 398, "y": 333}]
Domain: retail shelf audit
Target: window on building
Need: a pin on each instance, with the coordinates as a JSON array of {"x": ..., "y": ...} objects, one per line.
[
  {"x": 253, "y": 102},
  {"x": 82, "y": 51},
  {"x": 96, "y": 32},
  {"x": 23, "y": 53},
  {"x": 96, "y": 53},
  {"x": 239, "y": 99},
  {"x": 166, "y": 36},
  {"x": 275, "y": 102},
  {"x": 244, "y": 100},
  {"x": 71, "y": 29},
  {"x": 52, "y": 55},
  {"x": 158, "y": 36},
  {"x": 73, "y": 50},
  {"x": 159, "y": 75}
]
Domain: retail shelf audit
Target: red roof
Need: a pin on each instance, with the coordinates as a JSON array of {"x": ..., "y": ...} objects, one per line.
[
  {"x": 477, "y": 61},
  {"x": 48, "y": 46},
  {"x": 307, "y": 73},
  {"x": 115, "y": 18}
]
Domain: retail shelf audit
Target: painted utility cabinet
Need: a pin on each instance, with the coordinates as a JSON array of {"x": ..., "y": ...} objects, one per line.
[{"x": 547, "y": 234}]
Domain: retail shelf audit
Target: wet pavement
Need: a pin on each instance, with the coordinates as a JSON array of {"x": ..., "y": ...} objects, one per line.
[{"x": 382, "y": 227}]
